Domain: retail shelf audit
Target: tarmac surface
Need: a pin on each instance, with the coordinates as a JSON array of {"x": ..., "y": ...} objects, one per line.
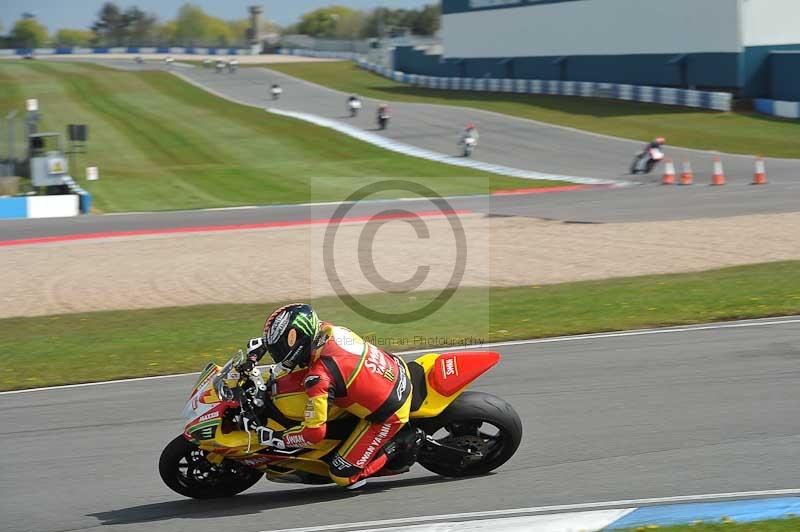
[
  {"x": 607, "y": 417},
  {"x": 504, "y": 140}
]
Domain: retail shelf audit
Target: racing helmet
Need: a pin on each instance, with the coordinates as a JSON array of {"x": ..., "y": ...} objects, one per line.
[
  {"x": 290, "y": 334},
  {"x": 661, "y": 141},
  {"x": 470, "y": 126}
]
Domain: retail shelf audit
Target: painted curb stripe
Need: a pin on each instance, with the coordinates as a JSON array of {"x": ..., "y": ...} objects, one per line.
[
  {"x": 740, "y": 511},
  {"x": 413, "y": 151},
  {"x": 545, "y": 190},
  {"x": 219, "y": 228},
  {"x": 568, "y": 522},
  {"x": 633, "y": 504}
]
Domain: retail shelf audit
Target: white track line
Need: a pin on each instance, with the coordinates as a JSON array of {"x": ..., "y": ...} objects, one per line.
[
  {"x": 597, "y": 336},
  {"x": 620, "y": 334},
  {"x": 544, "y": 510}
]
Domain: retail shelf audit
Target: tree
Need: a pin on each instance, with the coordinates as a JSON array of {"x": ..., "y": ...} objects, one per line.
[
  {"x": 427, "y": 21},
  {"x": 67, "y": 38},
  {"x": 28, "y": 33},
  {"x": 380, "y": 21},
  {"x": 239, "y": 31},
  {"x": 165, "y": 33},
  {"x": 111, "y": 25},
  {"x": 193, "y": 27},
  {"x": 140, "y": 26},
  {"x": 324, "y": 21}
]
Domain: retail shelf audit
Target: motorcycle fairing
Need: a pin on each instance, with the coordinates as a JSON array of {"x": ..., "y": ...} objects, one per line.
[{"x": 446, "y": 376}]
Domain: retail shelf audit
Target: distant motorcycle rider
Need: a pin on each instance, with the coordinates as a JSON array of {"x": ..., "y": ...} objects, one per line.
[
  {"x": 353, "y": 105},
  {"x": 656, "y": 144},
  {"x": 347, "y": 372},
  {"x": 470, "y": 132},
  {"x": 384, "y": 114}
]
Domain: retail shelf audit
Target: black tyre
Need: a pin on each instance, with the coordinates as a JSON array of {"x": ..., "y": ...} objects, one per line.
[
  {"x": 184, "y": 468},
  {"x": 477, "y": 433},
  {"x": 650, "y": 165}
]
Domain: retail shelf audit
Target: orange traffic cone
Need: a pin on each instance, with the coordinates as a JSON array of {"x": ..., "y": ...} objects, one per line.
[
  {"x": 669, "y": 173},
  {"x": 719, "y": 174},
  {"x": 760, "y": 177},
  {"x": 687, "y": 176}
]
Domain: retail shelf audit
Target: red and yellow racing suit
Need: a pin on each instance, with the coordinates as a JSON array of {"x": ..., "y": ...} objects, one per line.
[{"x": 349, "y": 373}]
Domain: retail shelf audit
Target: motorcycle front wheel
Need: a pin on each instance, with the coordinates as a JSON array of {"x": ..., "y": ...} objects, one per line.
[
  {"x": 476, "y": 434},
  {"x": 184, "y": 469}
]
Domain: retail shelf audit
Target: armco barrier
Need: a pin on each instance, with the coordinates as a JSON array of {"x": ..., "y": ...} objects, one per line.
[
  {"x": 778, "y": 108},
  {"x": 39, "y": 206},
  {"x": 126, "y": 50},
  {"x": 717, "y": 101}
]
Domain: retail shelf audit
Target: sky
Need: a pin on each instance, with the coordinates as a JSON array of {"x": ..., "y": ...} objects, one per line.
[{"x": 80, "y": 14}]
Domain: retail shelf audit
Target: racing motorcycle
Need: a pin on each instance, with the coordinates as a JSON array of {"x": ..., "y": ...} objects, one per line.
[
  {"x": 457, "y": 433},
  {"x": 354, "y": 105},
  {"x": 470, "y": 143},
  {"x": 646, "y": 160},
  {"x": 383, "y": 118}
]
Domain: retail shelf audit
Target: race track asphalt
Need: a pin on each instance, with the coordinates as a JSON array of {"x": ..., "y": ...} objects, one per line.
[
  {"x": 504, "y": 140},
  {"x": 619, "y": 417}
]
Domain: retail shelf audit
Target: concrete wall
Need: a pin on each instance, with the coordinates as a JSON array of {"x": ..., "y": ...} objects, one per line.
[
  {"x": 770, "y": 22},
  {"x": 592, "y": 27},
  {"x": 39, "y": 206},
  {"x": 706, "y": 44}
]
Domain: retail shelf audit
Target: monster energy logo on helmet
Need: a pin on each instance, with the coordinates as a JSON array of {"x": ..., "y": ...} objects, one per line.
[{"x": 308, "y": 323}]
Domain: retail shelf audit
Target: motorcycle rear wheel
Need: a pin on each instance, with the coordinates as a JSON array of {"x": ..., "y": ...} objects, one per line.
[
  {"x": 184, "y": 469},
  {"x": 476, "y": 421}
]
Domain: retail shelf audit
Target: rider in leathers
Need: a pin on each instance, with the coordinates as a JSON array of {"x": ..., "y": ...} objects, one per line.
[{"x": 345, "y": 371}]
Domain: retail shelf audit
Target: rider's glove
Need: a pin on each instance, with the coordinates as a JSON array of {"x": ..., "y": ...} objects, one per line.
[
  {"x": 256, "y": 349},
  {"x": 270, "y": 438}
]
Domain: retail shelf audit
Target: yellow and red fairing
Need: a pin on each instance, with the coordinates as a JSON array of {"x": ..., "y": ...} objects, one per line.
[{"x": 447, "y": 375}]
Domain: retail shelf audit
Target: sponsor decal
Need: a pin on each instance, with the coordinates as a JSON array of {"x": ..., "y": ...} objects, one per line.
[
  {"x": 257, "y": 461},
  {"x": 306, "y": 324},
  {"x": 376, "y": 362},
  {"x": 278, "y": 326},
  {"x": 340, "y": 463},
  {"x": 210, "y": 415},
  {"x": 291, "y": 339},
  {"x": 295, "y": 440},
  {"x": 449, "y": 367},
  {"x": 374, "y": 445},
  {"x": 401, "y": 386}
]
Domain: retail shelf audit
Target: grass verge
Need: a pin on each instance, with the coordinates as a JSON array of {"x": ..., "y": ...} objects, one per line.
[
  {"x": 71, "y": 348},
  {"x": 739, "y": 132},
  {"x": 161, "y": 143},
  {"x": 772, "y": 525}
]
